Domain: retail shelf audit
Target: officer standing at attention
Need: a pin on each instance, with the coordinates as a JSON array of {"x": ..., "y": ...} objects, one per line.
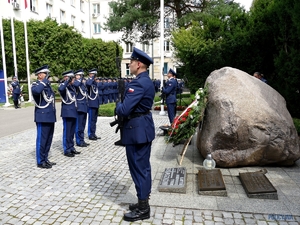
[
  {"x": 16, "y": 91},
  {"x": 138, "y": 132},
  {"x": 170, "y": 91},
  {"x": 82, "y": 108},
  {"x": 93, "y": 101},
  {"x": 67, "y": 93},
  {"x": 44, "y": 116}
]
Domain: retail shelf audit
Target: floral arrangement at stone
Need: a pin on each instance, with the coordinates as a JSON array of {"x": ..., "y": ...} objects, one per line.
[{"x": 184, "y": 125}]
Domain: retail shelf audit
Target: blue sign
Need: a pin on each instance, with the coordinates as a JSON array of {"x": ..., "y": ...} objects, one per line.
[{"x": 2, "y": 88}]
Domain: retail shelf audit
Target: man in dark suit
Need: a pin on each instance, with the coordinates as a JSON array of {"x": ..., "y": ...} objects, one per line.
[
  {"x": 82, "y": 107},
  {"x": 44, "y": 116},
  {"x": 93, "y": 101},
  {"x": 138, "y": 131},
  {"x": 170, "y": 91},
  {"x": 67, "y": 93}
]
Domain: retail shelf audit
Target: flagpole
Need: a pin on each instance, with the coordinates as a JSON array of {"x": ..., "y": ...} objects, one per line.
[
  {"x": 162, "y": 5},
  {"x": 4, "y": 64},
  {"x": 13, "y": 39},
  {"x": 26, "y": 48}
]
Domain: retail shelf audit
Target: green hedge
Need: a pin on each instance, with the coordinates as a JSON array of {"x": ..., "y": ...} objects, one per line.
[{"x": 107, "y": 109}]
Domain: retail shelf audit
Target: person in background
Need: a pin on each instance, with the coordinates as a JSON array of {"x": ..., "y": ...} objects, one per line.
[
  {"x": 260, "y": 76},
  {"x": 93, "y": 101},
  {"x": 16, "y": 91},
  {"x": 44, "y": 116},
  {"x": 138, "y": 132},
  {"x": 82, "y": 108},
  {"x": 169, "y": 90},
  {"x": 67, "y": 92}
]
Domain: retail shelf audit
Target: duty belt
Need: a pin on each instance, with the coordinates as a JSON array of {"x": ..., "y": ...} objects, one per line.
[{"x": 134, "y": 115}]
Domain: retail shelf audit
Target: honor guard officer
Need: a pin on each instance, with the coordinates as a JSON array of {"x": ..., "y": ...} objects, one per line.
[
  {"x": 138, "y": 131},
  {"x": 82, "y": 108},
  {"x": 170, "y": 91},
  {"x": 67, "y": 93},
  {"x": 93, "y": 101},
  {"x": 100, "y": 90},
  {"x": 44, "y": 116},
  {"x": 16, "y": 91},
  {"x": 105, "y": 91}
]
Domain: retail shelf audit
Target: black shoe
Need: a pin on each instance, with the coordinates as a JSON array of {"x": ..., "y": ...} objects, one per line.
[
  {"x": 50, "y": 163},
  {"x": 133, "y": 206},
  {"x": 44, "y": 165},
  {"x": 75, "y": 152},
  {"x": 93, "y": 138},
  {"x": 119, "y": 142},
  {"x": 82, "y": 145},
  {"x": 70, "y": 154},
  {"x": 86, "y": 143},
  {"x": 97, "y": 137},
  {"x": 142, "y": 212}
]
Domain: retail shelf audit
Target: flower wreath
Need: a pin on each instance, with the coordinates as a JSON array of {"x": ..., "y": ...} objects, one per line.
[{"x": 184, "y": 125}]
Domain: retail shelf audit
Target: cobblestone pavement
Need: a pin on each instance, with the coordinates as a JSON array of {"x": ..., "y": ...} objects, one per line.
[{"x": 92, "y": 187}]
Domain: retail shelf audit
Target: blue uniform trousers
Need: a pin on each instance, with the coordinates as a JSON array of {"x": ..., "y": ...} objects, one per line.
[
  {"x": 80, "y": 126},
  {"x": 92, "y": 121},
  {"x": 69, "y": 125},
  {"x": 105, "y": 99},
  {"x": 43, "y": 141},
  {"x": 110, "y": 97},
  {"x": 171, "y": 111},
  {"x": 138, "y": 158},
  {"x": 16, "y": 97}
]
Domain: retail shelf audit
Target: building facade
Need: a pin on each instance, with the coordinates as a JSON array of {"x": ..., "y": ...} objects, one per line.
[{"x": 89, "y": 17}]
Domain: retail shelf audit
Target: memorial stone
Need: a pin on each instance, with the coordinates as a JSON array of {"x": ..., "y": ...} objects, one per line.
[{"x": 173, "y": 180}]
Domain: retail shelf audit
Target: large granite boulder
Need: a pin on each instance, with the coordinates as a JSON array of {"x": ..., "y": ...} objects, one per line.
[{"x": 246, "y": 122}]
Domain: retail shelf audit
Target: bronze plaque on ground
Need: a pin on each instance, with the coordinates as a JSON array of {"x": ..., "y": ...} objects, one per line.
[
  {"x": 257, "y": 185},
  {"x": 173, "y": 180},
  {"x": 210, "y": 180}
]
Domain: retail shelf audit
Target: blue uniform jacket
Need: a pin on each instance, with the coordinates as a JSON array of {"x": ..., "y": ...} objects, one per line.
[
  {"x": 81, "y": 96},
  {"x": 100, "y": 88},
  {"x": 16, "y": 87},
  {"x": 68, "y": 105},
  {"x": 139, "y": 96},
  {"x": 93, "y": 97},
  {"x": 44, "y": 98},
  {"x": 106, "y": 88},
  {"x": 170, "y": 90}
]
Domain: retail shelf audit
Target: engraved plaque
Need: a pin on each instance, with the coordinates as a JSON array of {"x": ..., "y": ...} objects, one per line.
[
  {"x": 211, "y": 180},
  {"x": 173, "y": 180},
  {"x": 257, "y": 185}
]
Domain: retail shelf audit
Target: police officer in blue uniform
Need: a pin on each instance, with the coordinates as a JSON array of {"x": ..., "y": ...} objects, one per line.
[
  {"x": 82, "y": 108},
  {"x": 44, "y": 116},
  {"x": 105, "y": 91},
  {"x": 170, "y": 91},
  {"x": 100, "y": 90},
  {"x": 16, "y": 91},
  {"x": 93, "y": 101},
  {"x": 138, "y": 131},
  {"x": 67, "y": 93}
]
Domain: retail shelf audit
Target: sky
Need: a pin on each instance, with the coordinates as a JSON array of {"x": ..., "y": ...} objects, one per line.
[{"x": 245, "y": 3}]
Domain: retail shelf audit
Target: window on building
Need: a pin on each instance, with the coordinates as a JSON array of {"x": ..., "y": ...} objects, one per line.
[
  {"x": 72, "y": 2},
  {"x": 165, "y": 68},
  {"x": 127, "y": 69},
  {"x": 33, "y": 5},
  {"x": 129, "y": 47},
  {"x": 97, "y": 28},
  {"x": 96, "y": 8},
  {"x": 49, "y": 10},
  {"x": 145, "y": 47},
  {"x": 73, "y": 18},
  {"x": 82, "y": 5},
  {"x": 62, "y": 16},
  {"x": 82, "y": 26},
  {"x": 167, "y": 23},
  {"x": 166, "y": 46}
]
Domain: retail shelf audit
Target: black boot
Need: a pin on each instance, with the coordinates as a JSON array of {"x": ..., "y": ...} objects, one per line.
[
  {"x": 16, "y": 104},
  {"x": 142, "y": 212},
  {"x": 135, "y": 206}
]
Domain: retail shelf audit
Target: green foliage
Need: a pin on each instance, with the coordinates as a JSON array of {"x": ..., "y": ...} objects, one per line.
[
  {"x": 107, "y": 109},
  {"x": 297, "y": 125},
  {"x": 59, "y": 46}
]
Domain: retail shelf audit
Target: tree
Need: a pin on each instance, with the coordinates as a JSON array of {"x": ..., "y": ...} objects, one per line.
[{"x": 139, "y": 19}]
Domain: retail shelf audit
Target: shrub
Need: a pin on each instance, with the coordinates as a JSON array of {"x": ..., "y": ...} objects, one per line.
[{"x": 297, "y": 125}]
